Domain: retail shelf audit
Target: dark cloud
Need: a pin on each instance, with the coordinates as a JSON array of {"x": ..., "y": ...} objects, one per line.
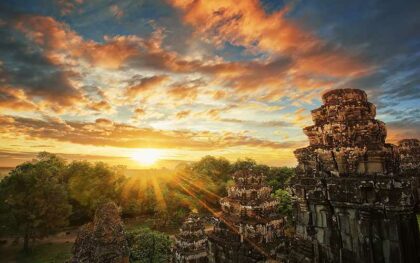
[
  {"x": 26, "y": 67},
  {"x": 382, "y": 33}
]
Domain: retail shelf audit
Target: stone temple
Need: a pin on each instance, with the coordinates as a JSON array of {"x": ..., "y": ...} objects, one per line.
[
  {"x": 409, "y": 150},
  {"x": 249, "y": 227},
  {"x": 103, "y": 240},
  {"x": 354, "y": 204},
  {"x": 191, "y": 242}
]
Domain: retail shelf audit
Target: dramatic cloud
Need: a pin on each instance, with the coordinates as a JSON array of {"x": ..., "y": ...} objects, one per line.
[
  {"x": 104, "y": 132},
  {"x": 245, "y": 23},
  {"x": 236, "y": 77},
  {"x": 16, "y": 99},
  {"x": 144, "y": 84}
]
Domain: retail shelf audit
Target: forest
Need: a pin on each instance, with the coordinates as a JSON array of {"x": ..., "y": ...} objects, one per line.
[{"x": 49, "y": 195}]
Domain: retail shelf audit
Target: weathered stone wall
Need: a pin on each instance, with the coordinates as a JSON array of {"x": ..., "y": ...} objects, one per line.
[
  {"x": 353, "y": 202},
  {"x": 409, "y": 150},
  {"x": 103, "y": 240}
]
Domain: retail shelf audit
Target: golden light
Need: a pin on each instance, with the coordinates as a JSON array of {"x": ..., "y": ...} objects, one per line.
[{"x": 146, "y": 156}]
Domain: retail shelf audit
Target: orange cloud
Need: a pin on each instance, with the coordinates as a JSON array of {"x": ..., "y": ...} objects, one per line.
[
  {"x": 245, "y": 23},
  {"x": 15, "y": 99},
  {"x": 57, "y": 39},
  {"x": 116, "y": 11},
  {"x": 182, "y": 114},
  {"x": 146, "y": 84},
  {"x": 185, "y": 91},
  {"x": 219, "y": 94},
  {"x": 104, "y": 132}
]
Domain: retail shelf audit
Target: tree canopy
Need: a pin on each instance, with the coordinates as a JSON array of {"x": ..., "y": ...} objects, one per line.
[
  {"x": 149, "y": 246},
  {"x": 34, "y": 199}
]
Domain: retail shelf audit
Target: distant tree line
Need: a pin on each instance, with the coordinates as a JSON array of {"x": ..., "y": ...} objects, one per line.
[{"x": 39, "y": 197}]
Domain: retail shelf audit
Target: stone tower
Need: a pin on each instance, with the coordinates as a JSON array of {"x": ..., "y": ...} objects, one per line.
[
  {"x": 353, "y": 205},
  {"x": 191, "y": 242},
  {"x": 249, "y": 227},
  {"x": 102, "y": 240},
  {"x": 409, "y": 150}
]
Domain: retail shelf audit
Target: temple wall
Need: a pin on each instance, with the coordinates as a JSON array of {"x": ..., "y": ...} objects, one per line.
[{"x": 354, "y": 192}]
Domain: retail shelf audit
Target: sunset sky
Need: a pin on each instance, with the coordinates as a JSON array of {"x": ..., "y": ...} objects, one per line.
[{"x": 177, "y": 80}]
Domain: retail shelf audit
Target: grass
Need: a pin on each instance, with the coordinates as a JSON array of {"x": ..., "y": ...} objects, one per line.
[
  {"x": 418, "y": 219},
  {"x": 140, "y": 223},
  {"x": 41, "y": 253}
]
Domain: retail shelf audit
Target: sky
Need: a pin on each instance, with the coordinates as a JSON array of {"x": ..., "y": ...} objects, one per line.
[{"x": 176, "y": 80}]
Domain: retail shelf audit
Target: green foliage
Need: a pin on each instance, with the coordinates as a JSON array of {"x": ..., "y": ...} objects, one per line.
[
  {"x": 92, "y": 184},
  {"x": 214, "y": 172},
  {"x": 51, "y": 253},
  {"x": 149, "y": 246},
  {"x": 250, "y": 164},
  {"x": 33, "y": 198},
  {"x": 278, "y": 177},
  {"x": 285, "y": 205}
]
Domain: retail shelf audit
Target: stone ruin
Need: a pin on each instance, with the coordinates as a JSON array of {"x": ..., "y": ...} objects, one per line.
[
  {"x": 103, "y": 240},
  {"x": 249, "y": 227},
  {"x": 409, "y": 150},
  {"x": 353, "y": 202},
  {"x": 191, "y": 242}
]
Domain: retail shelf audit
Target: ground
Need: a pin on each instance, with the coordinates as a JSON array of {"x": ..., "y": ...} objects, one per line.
[
  {"x": 40, "y": 253},
  {"x": 57, "y": 248}
]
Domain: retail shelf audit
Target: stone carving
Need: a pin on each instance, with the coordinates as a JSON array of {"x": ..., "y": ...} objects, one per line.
[
  {"x": 103, "y": 240},
  {"x": 249, "y": 228},
  {"x": 191, "y": 242},
  {"x": 353, "y": 204},
  {"x": 409, "y": 150}
]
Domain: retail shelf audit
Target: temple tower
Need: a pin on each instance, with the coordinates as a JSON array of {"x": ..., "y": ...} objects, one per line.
[
  {"x": 191, "y": 242},
  {"x": 353, "y": 204},
  {"x": 249, "y": 227},
  {"x": 409, "y": 150}
]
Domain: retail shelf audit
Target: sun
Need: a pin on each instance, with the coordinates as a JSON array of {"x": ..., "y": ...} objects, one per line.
[{"x": 146, "y": 157}]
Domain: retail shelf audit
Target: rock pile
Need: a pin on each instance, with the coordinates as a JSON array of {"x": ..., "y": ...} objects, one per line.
[
  {"x": 250, "y": 227},
  {"x": 353, "y": 204},
  {"x": 103, "y": 240}
]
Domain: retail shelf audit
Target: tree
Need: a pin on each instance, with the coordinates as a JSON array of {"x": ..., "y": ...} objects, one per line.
[
  {"x": 285, "y": 202},
  {"x": 250, "y": 164},
  {"x": 35, "y": 200},
  {"x": 279, "y": 177},
  {"x": 149, "y": 246},
  {"x": 92, "y": 184},
  {"x": 213, "y": 172}
]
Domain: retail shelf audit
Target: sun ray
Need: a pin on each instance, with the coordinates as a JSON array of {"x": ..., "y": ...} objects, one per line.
[
  {"x": 220, "y": 217},
  {"x": 185, "y": 180},
  {"x": 158, "y": 194}
]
